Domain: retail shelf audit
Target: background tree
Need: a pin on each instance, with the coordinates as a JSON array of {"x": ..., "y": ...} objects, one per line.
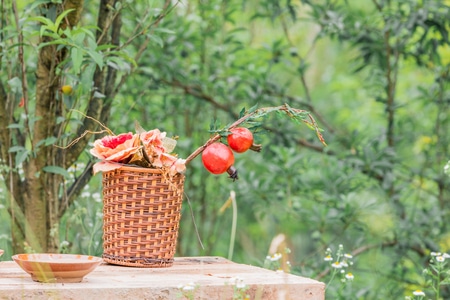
[
  {"x": 37, "y": 124},
  {"x": 373, "y": 73}
]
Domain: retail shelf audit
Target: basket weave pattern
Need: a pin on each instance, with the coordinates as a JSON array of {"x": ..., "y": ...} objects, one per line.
[{"x": 141, "y": 215}]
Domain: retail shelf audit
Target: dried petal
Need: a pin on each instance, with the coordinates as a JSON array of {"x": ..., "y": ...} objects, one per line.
[
  {"x": 116, "y": 148},
  {"x": 105, "y": 166}
]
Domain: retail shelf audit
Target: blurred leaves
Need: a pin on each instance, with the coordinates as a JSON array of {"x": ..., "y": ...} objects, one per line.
[{"x": 343, "y": 61}]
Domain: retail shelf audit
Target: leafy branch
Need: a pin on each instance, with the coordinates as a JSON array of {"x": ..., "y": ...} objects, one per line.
[{"x": 297, "y": 115}]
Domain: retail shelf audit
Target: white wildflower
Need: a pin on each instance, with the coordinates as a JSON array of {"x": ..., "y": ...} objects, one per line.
[
  {"x": 349, "y": 276},
  {"x": 276, "y": 257},
  {"x": 328, "y": 258},
  {"x": 440, "y": 258},
  {"x": 336, "y": 265},
  {"x": 64, "y": 244}
]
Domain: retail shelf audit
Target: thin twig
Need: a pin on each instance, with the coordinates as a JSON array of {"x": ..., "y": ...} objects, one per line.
[
  {"x": 96, "y": 121},
  {"x": 193, "y": 220},
  {"x": 106, "y": 129}
]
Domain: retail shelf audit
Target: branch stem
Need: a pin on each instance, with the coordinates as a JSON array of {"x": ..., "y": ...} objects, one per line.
[{"x": 259, "y": 113}]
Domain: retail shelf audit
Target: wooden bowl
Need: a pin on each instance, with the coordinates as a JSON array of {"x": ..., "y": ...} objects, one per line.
[{"x": 48, "y": 267}]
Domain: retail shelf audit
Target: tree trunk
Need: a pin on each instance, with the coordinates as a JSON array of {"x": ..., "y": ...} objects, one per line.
[{"x": 40, "y": 195}]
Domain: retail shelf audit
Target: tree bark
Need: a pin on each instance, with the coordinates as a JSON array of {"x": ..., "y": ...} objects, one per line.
[{"x": 41, "y": 189}]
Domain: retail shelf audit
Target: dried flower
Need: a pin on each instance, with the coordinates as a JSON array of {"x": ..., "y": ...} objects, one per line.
[
  {"x": 150, "y": 149},
  {"x": 116, "y": 148}
]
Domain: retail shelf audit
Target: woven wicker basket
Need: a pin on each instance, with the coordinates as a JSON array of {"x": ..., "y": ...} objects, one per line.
[{"x": 141, "y": 215}]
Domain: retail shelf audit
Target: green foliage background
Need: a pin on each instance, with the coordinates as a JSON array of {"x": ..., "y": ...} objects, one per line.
[{"x": 378, "y": 188}]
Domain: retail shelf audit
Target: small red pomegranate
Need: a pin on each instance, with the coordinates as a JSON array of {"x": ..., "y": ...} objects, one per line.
[
  {"x": 240, "y": 139},
  {"x": 218, "y": 158}
]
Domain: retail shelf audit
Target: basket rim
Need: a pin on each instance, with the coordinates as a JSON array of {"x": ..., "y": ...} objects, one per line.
[{"x": 140, "y": 169}]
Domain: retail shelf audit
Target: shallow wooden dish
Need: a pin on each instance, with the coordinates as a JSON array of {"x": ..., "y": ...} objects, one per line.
[{"x": 48, "y": 267}]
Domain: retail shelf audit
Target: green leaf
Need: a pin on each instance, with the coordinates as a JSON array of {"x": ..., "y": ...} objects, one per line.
[
  {"x": 60, "y": 119},
  {"x": 48, "y": 141},
  {"x": 157, "y": 40},
  {"x": 56, "y": 170},
  {"x": 253, "y": 108},
  {"x": 15, "y": 126},
  {"x": 57, "y": 41},
  {"x": 86, "y": 30},
  {"x": 77, "y": 59},
  {"x": 16, "y": 149},
  {"x": 104, "y": 47},
  {"x": 62, "y": 16},
  {"x": 67, "y": 33},
  {"x": 99, "y": 95},
  {"x": 118, "y": 63},
  {"x": 242, "y": 112},
  {"x": 21, "y": 157},
  {"x": 125, "y": 57},
  {"x": 78, "y": 38},
  {"x": 164, "y": 30},
  {"x": 34, "y": 4},
  {"x": 15, "y": 84},
  {"x": 97, "y": 57},
  {"x": 86, "y": 76},
  {"x": 42, "y": 20},
  {"x": 212, "y": 125}
]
